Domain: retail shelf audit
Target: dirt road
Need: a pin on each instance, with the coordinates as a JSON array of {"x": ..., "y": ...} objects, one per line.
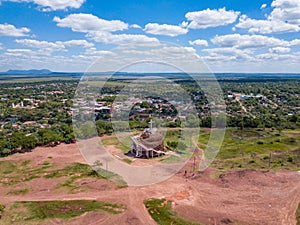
[{"x": 244, "y": 197}]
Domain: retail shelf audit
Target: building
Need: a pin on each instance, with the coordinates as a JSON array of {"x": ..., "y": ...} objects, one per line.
[{"x": 147, "y": 145}]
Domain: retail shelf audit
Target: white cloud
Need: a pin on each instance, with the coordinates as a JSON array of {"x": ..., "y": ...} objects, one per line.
[
  {"x": 295, "y": 42},
  {"x": 248, "y": 41},
  {"x": 263, "y": 6},
  {"x": 286, "y": 10},
  {"x": 279, "y": 50},
  {"x": 252, "y": 53},
  {"x": 199, "y": 42},
  {"x": 184, "y": 24},
  {"x": 266, "y": 26},
  {"x": 230, "y": 53},
  {"x": 182, "y": 57},
  {"x": 285, "y": 17},
  {"x": 50, "y": 5},
  {"x": 95, "y": 52},
  {"x": 41, "y": 44},
  {"x": 46, "y": 47},
  {"x": 12, "y": 31},
  {"x": 164, "y": 29},
  {"x": 90, "y": 23},
  {"x": 79, "y": 43},
  {"x": 101, "y": 30},
  {"x": 275, "y": 57},
  {"x": 109, "y": 38},
  {"x": 135, "y": 26},
  {"x": 18, "y": 52},
  {"x": 211, "y": 18}
]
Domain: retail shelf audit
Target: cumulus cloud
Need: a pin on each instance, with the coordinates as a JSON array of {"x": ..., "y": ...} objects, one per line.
[
  {"x": 279, "y": 50},
  {"x": 12, "y": 31},
  {"x": 93, "y": 51},
  {"x": 135, "y": 26},
  {"x": 248, "y": 41},
  {"x": 286, "y": 10},
  {"x": 18, "y": 52},
  {"x": 50, "y": 5},
  {"x": 276, "y": 57},
  {"x": 199, "y": 42},
  {"x": 230, "y": 53},
  {"x": 250, "y": 49},
  {"x": 101, "y": 30},
  {"x": 211, "y": 18},
  {"x": 295, "y": 42},
  {"x": 79, "y": 43},
  {"x": 40, "y": 44},
  {"x": 53, "y": 46},
  {"x": 263, "y": 6},
  {"x": 183, "y": 57},
  {"x": 164, "y": 29},
  {"x": 266, "y": 26},
  {"x": 109, "y": 38},
  {"x": 285, "y": 17},
  {"x": 89, "y": 23}
]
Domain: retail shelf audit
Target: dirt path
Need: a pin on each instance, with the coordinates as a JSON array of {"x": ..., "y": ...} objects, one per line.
[{"x": 245, "y": 197}]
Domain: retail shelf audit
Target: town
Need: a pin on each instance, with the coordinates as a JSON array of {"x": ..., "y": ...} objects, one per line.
[{"x": 40, "y": 112}]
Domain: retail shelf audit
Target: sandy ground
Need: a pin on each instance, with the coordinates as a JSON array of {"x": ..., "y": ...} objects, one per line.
[{"x": 244, "y": 197}]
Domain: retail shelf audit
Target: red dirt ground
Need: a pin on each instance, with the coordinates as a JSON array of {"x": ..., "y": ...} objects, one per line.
[{"x": 240, "y": 197}]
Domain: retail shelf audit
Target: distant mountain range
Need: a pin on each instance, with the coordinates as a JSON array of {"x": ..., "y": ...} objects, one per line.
[
  {"x": 26, "y": 72},
  {"x": 46, "y": 73}
]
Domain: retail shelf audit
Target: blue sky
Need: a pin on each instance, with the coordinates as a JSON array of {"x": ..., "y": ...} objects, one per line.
[{"x": 229, "y": 35}]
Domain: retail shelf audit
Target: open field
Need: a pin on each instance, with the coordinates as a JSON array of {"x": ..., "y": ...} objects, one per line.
[
  {"x": 58, "y": 175},
  {"x": 252, "y": 149},
  {"x": 22, "y": 80},
  {"x": 247, "y": 149}
]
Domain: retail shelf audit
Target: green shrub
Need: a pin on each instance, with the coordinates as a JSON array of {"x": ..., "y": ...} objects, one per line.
[{"x": 2, "y": 207}]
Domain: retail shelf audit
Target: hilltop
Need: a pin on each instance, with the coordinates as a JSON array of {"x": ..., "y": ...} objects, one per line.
[{"x": 32, "y": 71}]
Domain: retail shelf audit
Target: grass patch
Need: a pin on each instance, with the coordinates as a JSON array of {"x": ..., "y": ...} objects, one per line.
[
  {"x": 112, "y": 177},
  {"x": 15, "y": 172},
  {"x": 250, "y": 149},
  {"x": 2, "y": 207},
  {"x": 43, "y": 210},
  {"x": 72, "y": 173},
  {"x": 18, "y": 192},
  {"x": 122, "y": 144},
  {"x": 160, "y": 210},
  {"x": 171, "y": 159},
  {"x": 77, "y": 169},
  {"x": 129, "y": 161}
]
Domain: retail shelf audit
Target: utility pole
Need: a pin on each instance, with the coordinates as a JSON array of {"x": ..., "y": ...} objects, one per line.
[
  {"x": 194, "y": 163},
  {"x": 106, "y": 168},
  {"x": 270, "y": 160}
]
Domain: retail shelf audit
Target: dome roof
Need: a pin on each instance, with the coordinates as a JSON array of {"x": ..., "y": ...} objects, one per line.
[{"x": 153, "y": 140}]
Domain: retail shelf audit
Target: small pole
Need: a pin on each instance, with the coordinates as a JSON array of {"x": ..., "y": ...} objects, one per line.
[
  {"x": 106, "y": 167},
  {"x": 270, "y": 161},
  {"x": 194, "y": 163}
]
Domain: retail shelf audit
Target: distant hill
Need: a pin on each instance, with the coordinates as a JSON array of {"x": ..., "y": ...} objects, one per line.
[{"x": 26, "y": 72}]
